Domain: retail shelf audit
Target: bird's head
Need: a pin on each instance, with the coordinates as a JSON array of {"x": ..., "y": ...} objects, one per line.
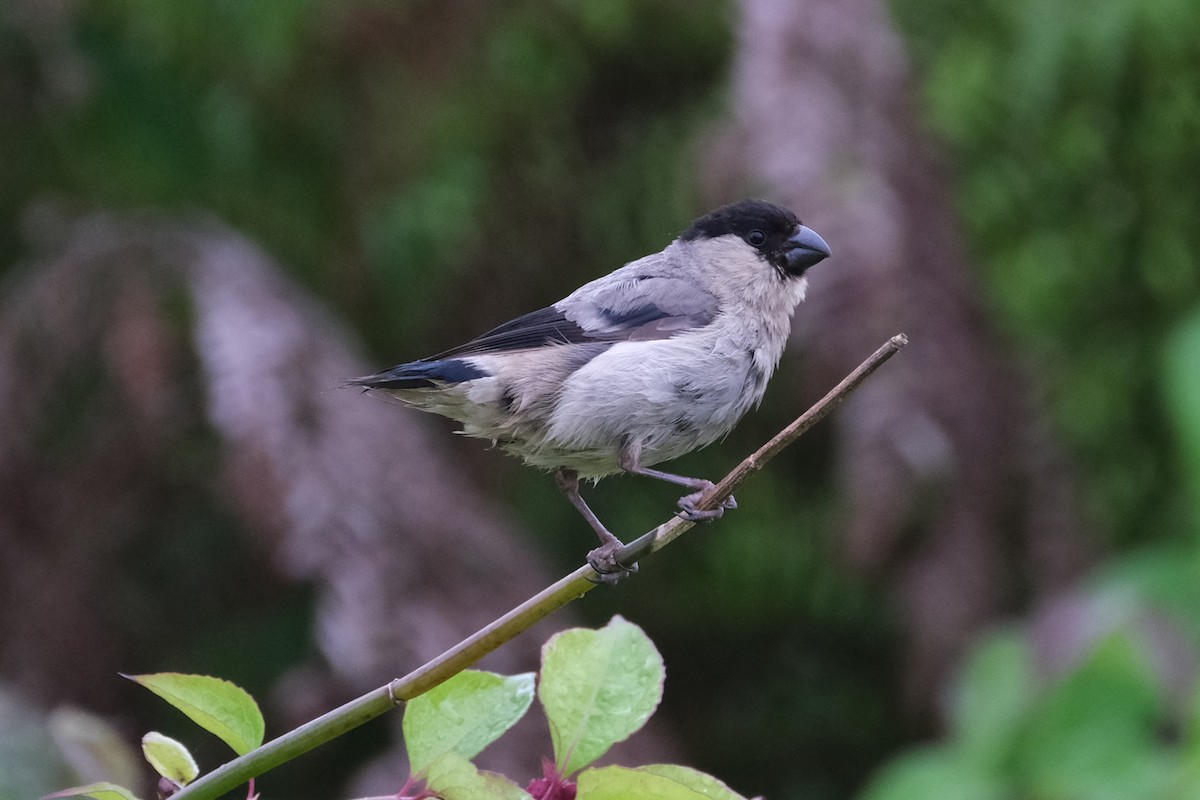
[{"x": 773, "y": 233}]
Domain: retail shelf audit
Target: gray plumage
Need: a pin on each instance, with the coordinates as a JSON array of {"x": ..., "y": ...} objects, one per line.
[{"x": 659, "y": 358}]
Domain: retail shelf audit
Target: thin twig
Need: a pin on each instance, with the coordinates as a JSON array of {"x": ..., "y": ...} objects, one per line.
[
  {"x": 379, "y": 701},
  {"x": 669, "y": 531}
]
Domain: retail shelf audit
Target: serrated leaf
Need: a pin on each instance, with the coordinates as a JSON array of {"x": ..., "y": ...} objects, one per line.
[
  {"x": 695, "y": 780},
  {"x": 622, "y": 783},
  {"x": 169, "y": 758},
  {"x": 96, "y": 791},
  {"x": 598, "y": 687},
  {"x": 464, "y": 715},
  {"x": 455, "y": 778},
  {"x": 222, "y": 708}
]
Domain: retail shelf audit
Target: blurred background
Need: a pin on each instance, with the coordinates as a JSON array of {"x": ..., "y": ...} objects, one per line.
[{"x": 979, "y": 579}]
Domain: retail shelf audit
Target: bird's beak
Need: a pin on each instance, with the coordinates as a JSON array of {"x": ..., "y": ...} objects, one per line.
[{"x": 804, "y": 249}]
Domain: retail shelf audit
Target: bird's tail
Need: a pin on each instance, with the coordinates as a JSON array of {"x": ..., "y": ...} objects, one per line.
[
  {"x": 422, "y": 375},
  {"x": 437, "y": 385}
]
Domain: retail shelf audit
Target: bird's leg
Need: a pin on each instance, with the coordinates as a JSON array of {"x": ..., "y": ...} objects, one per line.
[
  {"x": 604, "y": 558},
  {"x": 629, "y": 460}
]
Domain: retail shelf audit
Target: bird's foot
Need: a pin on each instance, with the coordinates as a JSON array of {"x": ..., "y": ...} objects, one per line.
[
  {"x": 604, "y": 561},
  {"x": 688, "y": 510}
]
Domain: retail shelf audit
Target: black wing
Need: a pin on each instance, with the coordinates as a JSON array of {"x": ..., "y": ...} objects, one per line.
[
  {"x": 636, "y": 308},
  {"x": 537, "y": 328}
]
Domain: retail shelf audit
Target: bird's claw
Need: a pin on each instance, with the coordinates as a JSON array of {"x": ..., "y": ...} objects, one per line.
[
  {"x": 688, "y": 510},
  {"x": 604, "y": 561}
]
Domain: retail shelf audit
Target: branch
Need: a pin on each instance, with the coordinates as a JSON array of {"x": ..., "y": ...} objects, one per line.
[
  {"x": 571, "y": 587},
  {"x": 658, "y": 538}
]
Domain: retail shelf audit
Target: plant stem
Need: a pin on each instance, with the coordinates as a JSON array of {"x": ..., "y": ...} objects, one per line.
[{"x": 578, "y": 583}]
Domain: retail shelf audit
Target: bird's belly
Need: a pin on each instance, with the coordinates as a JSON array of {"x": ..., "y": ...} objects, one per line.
[{"x": 666, "y": 398}]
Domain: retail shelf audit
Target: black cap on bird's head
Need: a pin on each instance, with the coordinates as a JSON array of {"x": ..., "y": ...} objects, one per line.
[{"x": 774, "y": 231}]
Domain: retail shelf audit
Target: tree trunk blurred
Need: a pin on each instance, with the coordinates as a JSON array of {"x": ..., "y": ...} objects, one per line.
[{"x": 956, "y": 495}]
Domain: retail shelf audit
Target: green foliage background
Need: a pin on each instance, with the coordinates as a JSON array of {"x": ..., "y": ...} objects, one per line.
[
  {"x": 1073, "y": 132},
  {"x": 405, "y": 159}
]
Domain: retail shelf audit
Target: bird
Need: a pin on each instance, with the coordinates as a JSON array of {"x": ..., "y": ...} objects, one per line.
[{"x": 656, "y": 359}]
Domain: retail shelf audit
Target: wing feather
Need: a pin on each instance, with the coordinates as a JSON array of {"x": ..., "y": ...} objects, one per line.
[
  {"x": 631, "y": 309},
  {"x": 544, "y": 326}
]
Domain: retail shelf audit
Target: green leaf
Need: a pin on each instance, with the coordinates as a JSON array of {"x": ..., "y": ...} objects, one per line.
[
  {"x": 1094, "y": 735},
  {"x": 935, "y": 773},
  {"x": 1181, "y": 391},
  {"x": 464, "y": 715},
  {"x": 455, "y": 778},
  {"x": 92, "y": 746},
  {"x": 29, "y": 760},
  {"x": 598, "y": 687},
  {"x": 695, "y": 780},
  {"x": 169, "y": 758},
  {"x": 1160, "y": 577},
  {"x": 96, "y": 791},
  {"x": 221, "y": 708},
  {"x": 1190, "y": 744},
  {"x": 993, "y": 697},
  {"x": 660, "y": 782}
]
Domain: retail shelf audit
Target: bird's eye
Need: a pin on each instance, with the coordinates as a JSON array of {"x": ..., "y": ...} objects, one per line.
[{"x": 756, "y": 238}]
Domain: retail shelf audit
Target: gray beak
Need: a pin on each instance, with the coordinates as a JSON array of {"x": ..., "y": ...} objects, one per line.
[{"x": 804, "y": 249}]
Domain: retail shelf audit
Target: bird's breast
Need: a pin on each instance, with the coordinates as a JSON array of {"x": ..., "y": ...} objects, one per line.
[{"x": 670, "y": 397}]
